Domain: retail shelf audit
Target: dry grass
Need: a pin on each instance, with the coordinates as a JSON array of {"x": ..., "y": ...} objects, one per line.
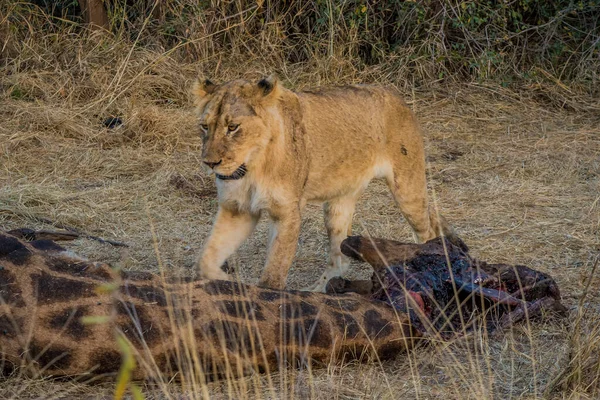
[{"x": 515, "y": 171}]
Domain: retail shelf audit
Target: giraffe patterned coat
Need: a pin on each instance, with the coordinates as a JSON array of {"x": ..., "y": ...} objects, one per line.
[{"x": 209, "y": 328}]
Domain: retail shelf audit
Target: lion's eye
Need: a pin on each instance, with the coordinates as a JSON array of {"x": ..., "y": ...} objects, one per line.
[
  {"x": 232, "y": 127},
  {"x": 204, "y": 127}
]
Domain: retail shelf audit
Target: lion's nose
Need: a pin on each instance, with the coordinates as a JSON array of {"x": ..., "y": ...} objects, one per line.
[{"x": 212, "y": 164}]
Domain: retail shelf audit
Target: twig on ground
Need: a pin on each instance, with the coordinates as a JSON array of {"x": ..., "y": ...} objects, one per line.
[{"x": 70, "y": 234}]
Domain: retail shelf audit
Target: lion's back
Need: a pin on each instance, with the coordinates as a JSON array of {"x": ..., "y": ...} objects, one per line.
[
  {"x": 355, "y": 131},
  {"x": 360, "y": 112}
]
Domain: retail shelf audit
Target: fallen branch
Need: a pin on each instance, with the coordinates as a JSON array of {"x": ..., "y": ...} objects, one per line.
[{"x": 68, "y": 233}]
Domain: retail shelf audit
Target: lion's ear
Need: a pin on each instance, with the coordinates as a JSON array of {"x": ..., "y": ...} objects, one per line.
[
  {"x": 203, "y": 87},
  {"x": 268, "y": 86}
]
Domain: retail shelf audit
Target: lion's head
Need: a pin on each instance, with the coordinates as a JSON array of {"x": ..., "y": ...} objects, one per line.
[{"x": 234, "y": 123}]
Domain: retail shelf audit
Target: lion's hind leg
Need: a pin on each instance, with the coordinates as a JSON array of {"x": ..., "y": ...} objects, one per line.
[
  {"x": 338, "y": 221},
  {"x": 409, "y": 187}
]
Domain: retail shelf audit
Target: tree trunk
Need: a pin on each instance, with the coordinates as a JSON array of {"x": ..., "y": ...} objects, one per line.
[{"x": 94, "y": 13}]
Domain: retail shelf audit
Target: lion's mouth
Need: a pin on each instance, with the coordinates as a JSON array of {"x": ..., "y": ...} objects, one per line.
[{"x": 237, "y": 174}]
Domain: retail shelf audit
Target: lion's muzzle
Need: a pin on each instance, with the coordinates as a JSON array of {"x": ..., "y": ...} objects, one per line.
[
  {"x": 212, "y": 165},
  {"x": 239, "y": 173}
]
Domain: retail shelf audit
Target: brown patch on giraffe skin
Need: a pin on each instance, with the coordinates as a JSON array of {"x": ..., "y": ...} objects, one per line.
[
  {"x": 390, "y": 350},
  {"x": 124, "y": 307},
  {"x": 137, "y": 276},
  {"x": 403, "y": 150},
  {"x": 346, "y": 323},
  {"x": 376, "y": 326},
  {"x": 198, "y": 312},
  {"x": 267, "y": 362},
  {"x": 52, "y": 289},
  {"x": 54, "y": 357},
  {"x": 270, "y": 295},
  {"x": 13, "y": 250},
  {"x": 241, "y": 309},
  {"x": 10, "y": 326},
  {"x": 7, "y": 367},
  {"x": 218, "y": 287},
  {"x": 270, "y": 359},
  {"x": 168, "y": 362},
  {"x": 137, "y": 325},
  {"x": 236, "y": 337},
  {"x": 101, "y": 272},
  {"x": 148, "y": 294},
  {"x": 343, "y": 304},
  {"x": 82, "y": 269},
  {"x": 299, "y": 309},
  {"x": 70, "y": 320},
  {"x": 47, "y": 245},
  {"x": 355, "y": 351},
  {"x": 19, "y": 257},
  {"x": 9, "y": 291},
  {"x": 311, "y": 332},
  {"x": 105, "y": 361},
  {"x": 303, "y": 293}
]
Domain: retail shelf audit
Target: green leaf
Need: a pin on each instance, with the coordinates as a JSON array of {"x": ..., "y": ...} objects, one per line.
[
  {"x": 95, "y": 319},
  {"x": 136, "y": 392},
  {"x": 106, "y": 288},
  {"x": 127, "y": 366}
]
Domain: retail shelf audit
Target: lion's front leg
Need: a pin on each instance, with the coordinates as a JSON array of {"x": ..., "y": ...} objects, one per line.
[
  {"x": 230, "y": 229},
  {"x": 285, "y": 228}
]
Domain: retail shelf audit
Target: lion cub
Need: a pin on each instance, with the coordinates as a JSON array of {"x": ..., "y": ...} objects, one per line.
[{"x": 274, "y": 150}]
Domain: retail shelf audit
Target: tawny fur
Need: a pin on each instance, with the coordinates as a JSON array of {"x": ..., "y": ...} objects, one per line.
[
  {"x": 195, "y": 328},
  {"x": 313, "y": 146}
]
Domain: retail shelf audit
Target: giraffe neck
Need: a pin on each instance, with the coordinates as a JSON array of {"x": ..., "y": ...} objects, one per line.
[{"x": 214, "y": 327}]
